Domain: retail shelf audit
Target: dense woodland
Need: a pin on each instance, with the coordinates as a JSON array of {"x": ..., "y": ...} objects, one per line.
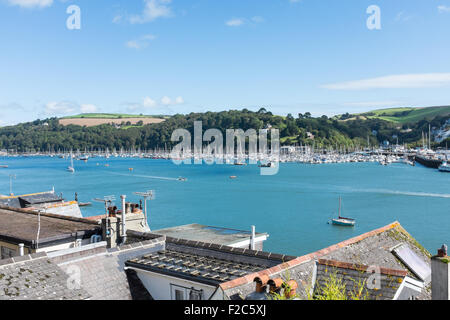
[{"x": 49, "y": 135}]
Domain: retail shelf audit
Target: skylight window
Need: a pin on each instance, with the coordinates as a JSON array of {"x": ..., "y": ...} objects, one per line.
[{"x": 413, "y": 262}]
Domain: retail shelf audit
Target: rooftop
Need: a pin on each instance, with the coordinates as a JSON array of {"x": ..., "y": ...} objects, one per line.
[
  {"x": 50, "y": 276},
  {"x": 203, "y": 262},
  {"x": 22, "y": 201},
  {"x": 374, "y": 248},
  {"x": 196, "y": 267},
  {"x": 36, "y": 277},
  {"x": 355, "y": 279},
  {"x": 21, "y": 226},
  {"x": 198, "y": 232}
]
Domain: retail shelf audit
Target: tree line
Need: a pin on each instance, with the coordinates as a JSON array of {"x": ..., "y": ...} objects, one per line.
[{"x": 49, "y": 135}]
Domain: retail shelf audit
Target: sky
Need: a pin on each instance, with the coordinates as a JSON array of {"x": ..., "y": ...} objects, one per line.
[{"x": 181, "y": 56}]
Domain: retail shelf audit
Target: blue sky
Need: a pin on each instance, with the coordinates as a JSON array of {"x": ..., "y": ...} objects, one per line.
[{"x": 174, "y": 56}]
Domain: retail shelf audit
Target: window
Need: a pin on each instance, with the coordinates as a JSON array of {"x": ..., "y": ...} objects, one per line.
[
  {"x": 184, "y": 293},
  {"x": 7, "y": 253},
  {"x": 179, "y": 295},
  {"x": 195, "y": 294},
  {"x": 413, "y": 262}
]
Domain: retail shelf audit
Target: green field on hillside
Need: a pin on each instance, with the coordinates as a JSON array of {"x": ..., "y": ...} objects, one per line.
[
  {"x": 408, "y": 115},
  {"x": 110, "y": 116}
]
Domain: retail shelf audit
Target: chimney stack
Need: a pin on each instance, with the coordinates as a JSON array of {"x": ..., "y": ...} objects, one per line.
[{"x": 440, "y": 275}]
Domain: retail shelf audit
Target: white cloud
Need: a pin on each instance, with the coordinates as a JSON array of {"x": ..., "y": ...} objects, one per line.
[
  {"x": 153, "y": 10},
  {"x": 56, "y": 108},
  {"x": 141, "y": 42},
  {"x": 179, "y": 100},
  {"x": 117, "y": 18},
  {"x": 425, "y": 80},
  {"x": 31, "y": 3},
  {"x": 60, "y": 108},
  {"x": 257, "y": 19},
  {"x": 149, "y": 102},
  {"x": 88, "y": 108},
  {"x": 235, "y": 22},
  {"x": 443, "y": 9},
  {"x": 166, "y": 101},
  {"x": 403, "y": 17}
]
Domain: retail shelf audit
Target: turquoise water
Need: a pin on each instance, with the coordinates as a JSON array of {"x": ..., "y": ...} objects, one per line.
[{"x": 292, "y": 206}]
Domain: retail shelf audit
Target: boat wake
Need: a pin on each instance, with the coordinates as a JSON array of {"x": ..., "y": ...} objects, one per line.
[
  {"x": 405, "y": 193},
  {"x": 148, "y": 177}
]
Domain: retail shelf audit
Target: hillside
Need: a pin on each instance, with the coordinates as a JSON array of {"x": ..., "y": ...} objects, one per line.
[
  {"x": 322, "y": 132},
  {"x": 407, "y": 115}
]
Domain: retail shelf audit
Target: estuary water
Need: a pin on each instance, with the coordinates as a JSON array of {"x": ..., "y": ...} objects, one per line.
[{"x": 293, "y": 206}]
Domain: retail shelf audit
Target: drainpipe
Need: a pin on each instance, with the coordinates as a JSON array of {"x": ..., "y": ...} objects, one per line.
[
  {"x": 252, "y": 239},
  {"x": 21, "y": 250},
  {"x": 124, "y": 231}
]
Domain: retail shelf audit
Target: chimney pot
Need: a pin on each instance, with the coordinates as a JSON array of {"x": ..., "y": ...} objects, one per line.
[
  {"x": 290, "y": 288},
  {"x": 442, "y": 252},
  {"x": 261, "y": 283},
  {"x": 275, "y": 284}
]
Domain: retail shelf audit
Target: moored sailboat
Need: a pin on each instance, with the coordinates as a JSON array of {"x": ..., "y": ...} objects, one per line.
[
  {"x": 71, "y": 167},
  {"x": 342, "y": 221}
]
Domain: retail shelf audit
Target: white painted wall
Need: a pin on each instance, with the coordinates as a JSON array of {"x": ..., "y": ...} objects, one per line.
[
  {"x": 159, "y": 285},
  {"x": 63, "y": 246}
]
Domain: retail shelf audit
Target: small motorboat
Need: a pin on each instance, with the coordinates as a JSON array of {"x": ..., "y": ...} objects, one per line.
[
  {"x": 444, "y": 167},
  {"x": 84, "y": 204},
  {"x": 342, "y": 221},
  {"x": 233, "y": 177},
  {"x": 3, "y": 166},
  {"x": 182, "y": 179},
  {"x": 267, "y": 165}
]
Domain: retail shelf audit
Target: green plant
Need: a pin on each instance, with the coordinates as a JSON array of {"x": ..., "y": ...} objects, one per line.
[
  {"x": 286, "y": 288},
  {"x": 334, "y": 288}
]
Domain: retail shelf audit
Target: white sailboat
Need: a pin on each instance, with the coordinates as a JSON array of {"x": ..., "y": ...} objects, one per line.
[
  {"x": 341, "y": 221},
  {"x": 71, "y": 167}
]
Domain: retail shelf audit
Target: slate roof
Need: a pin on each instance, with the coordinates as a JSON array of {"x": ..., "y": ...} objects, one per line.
[
  {"x": 35, "y": 277},
  {"x": 22, "y": 201},
  {"x": 198, "y": 232},
  {"x": 357, "y": 281},
  {"x": 202, "y": 262},
  {"x": 102, "y": 270},
  {"x": 371, "y": 248},
  {"x": 21, "y": 226},
  {"x": 195, "y": 267}
]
